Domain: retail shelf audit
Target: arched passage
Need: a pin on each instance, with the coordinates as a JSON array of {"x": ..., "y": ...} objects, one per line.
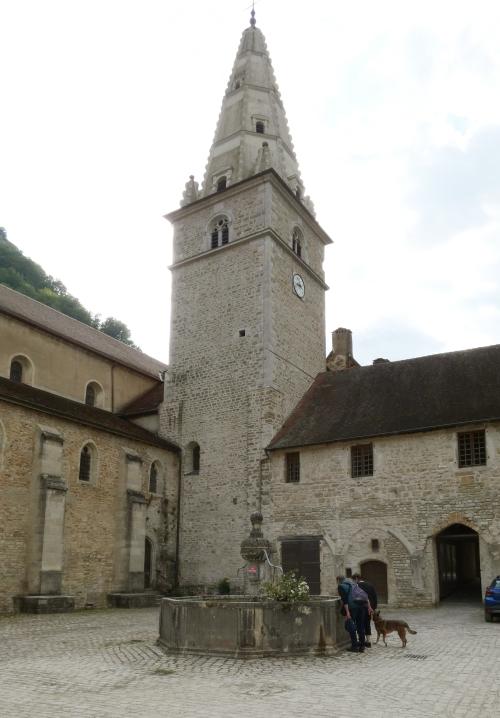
[
  {"x": 375, "y": 572},
  {"x": 457, "y": 549}
]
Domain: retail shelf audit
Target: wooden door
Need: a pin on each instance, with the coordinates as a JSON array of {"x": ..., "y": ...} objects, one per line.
[
  {"x": 375, "y": 572},
  {"x": 302, "y": 556}
]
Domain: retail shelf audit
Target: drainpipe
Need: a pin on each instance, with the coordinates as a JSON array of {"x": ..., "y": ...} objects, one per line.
[{"x": 178, "y": 532}]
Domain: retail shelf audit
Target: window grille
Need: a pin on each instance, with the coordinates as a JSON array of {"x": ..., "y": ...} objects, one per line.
[
  {"x": 221, "y": 184},
  {"x": 153, "y": 479},
  {"x": 472, "y": 448},
  {"x": 16, "y": 371},
  {"x": 90, "y": 395},
  {"x": 361, "y": 460},
  {"x": 215, "y": 239},
  {"x": 85, "y": 464},
  {"x": 293, "y": 467},
  {"x": 225, "y": 234}
]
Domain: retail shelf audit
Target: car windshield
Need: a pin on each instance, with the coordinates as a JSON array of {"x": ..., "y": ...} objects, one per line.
[{"x": 495, "y": 583}]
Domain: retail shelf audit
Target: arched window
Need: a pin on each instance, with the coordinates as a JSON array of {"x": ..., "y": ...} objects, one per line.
[
  {"x": 196, "y": 459},
  {"x": 85, "y": 472},
  {"x": 21, "y": 369},
  {"x": 221, "y": 184},
  {"x": 90, "y": 395},
  {"x": 219, "y": 233},
  {"x": 16, "y": 371},
  {"x": 192, "y": 458},
  {"x": 259, "y": 127},
  {"x": 297, "y": 241},
  {"x": 155, "y": 481},
  {"x": 94, "y": 395}
]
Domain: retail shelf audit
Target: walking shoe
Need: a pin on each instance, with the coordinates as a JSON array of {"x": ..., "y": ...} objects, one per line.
[
  {"x": 361, "y": 649},
  {"x": 368, "y": 644},
  {"x": 353, "y": 649}
]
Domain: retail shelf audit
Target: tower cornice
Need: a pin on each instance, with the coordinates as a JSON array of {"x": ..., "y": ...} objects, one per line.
[{"x": 269, "y": 175}]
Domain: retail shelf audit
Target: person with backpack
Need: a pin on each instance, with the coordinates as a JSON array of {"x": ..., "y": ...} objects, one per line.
[
  {"x": 356, "y": 609},
  {"x": 369, "y": 589}
]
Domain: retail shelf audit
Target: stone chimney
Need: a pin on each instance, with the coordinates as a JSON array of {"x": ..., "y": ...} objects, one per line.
[{"x": 341, "y": 355}]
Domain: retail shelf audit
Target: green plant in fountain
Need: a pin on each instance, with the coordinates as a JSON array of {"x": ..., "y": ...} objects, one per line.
[
  {"x": 224, "y": 587},
  {"x": 288, "y": 589}
]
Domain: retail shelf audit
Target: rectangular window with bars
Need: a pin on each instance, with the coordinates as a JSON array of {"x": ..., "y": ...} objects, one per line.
[
  {"x": 471, "y": 448},
  {"x": 361, "y": 460},
  {"x": 292, "y": 468}
]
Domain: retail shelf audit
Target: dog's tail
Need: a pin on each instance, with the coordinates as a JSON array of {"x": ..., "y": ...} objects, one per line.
[{"x": 410, "y": 630}]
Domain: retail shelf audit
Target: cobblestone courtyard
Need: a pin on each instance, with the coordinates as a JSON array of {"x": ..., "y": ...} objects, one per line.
[{"x": 97, "y": 664}]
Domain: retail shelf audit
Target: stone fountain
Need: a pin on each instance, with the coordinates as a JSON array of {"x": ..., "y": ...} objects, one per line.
[{"x": 251, "y": 626}]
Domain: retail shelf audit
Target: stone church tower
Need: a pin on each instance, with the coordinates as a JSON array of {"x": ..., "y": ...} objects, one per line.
[{"x": 247, "y": 327}]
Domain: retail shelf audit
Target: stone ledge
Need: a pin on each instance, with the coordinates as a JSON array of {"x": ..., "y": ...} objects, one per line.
[
  {"x": 44, "y": 604},
  {"x": 133, "y": 600}
]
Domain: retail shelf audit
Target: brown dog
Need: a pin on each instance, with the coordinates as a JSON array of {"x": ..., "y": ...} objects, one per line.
[{"x": 384, "y": 627}]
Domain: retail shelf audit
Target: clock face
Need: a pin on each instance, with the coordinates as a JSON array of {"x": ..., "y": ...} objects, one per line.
[{"x": 298, "y": 285}]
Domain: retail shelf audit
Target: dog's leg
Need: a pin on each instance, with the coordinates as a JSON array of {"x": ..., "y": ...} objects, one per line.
[
  {"x": 402, "y": 635},
  {"x": 385, "y": 635}
]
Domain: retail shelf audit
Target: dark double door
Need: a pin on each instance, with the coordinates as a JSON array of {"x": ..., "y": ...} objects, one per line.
[{"x": 302, "y": 556}]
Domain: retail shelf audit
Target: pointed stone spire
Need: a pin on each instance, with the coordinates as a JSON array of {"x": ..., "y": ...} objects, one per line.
[
  {"x": 252, "y": 112},
  {"x": 190, "y": 193}
]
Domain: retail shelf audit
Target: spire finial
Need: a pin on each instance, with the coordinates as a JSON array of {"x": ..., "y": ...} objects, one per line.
[{"x": 252, "y": 19}]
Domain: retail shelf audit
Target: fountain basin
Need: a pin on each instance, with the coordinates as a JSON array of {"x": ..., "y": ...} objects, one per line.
[{"x": 245, "y": 627}]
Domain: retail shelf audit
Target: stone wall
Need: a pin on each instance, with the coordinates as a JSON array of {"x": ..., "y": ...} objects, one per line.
[
  {"x": 417, "y": 490},
  {"x": 244, "y": 349},
  {"x": 39, "y": 462}
]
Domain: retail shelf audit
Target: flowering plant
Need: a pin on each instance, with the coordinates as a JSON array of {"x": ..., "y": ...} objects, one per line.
[{"x": 288, "y": 588}]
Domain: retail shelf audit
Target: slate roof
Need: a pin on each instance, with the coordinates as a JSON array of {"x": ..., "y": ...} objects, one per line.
[
  {"x": 50, "y": 320},
  {"x": 431, "y": 392},
  {"x": 59, "y": 406}
]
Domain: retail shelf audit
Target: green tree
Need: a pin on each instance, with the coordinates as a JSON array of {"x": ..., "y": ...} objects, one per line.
[
  {"x": 27, "y": 277},
  {"x": 117, "y": 329}
]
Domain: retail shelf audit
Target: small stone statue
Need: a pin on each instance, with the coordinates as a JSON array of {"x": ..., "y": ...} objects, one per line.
[{"x": 190, "y": 193}]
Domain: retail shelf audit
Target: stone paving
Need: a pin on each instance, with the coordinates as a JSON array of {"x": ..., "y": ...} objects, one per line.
[{"x": 103, "y": 664}]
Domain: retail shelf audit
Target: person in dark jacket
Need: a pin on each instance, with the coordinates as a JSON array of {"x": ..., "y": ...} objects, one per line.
[
  {"x": 355, "y": 606},
  {"x": 369, "y": 589}
]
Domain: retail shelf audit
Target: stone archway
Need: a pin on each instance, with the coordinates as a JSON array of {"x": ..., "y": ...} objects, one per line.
[{"x": 458, "y": 564}]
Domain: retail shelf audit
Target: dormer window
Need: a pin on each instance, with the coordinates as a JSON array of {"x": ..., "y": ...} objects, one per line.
[
  {"x": 297, "y": 241},
  {"x": 221, "y": 184},
  {"x": 219, "y": 234},
  {"x": 259, "y": 127}
]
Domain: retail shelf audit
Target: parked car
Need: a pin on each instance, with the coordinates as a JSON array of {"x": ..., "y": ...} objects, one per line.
[{"x": 492, "y": 600}]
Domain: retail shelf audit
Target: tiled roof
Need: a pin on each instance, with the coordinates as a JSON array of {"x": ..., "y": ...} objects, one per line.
[
  {"x": 50, "y": 320},
  {"x": 147, "y": 403},
  {"x": 60, "y": 407},
  {"x": 431, "y": 392}
]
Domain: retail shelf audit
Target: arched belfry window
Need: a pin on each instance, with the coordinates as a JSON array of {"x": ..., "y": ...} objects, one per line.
[
  {"x": 21, "y": 370},
  {"x": 87, "y": 461},
  {"x": 219, "y": 232},
  {"x": 221, "y": 184},
  {"x": 297, "y": 241}
]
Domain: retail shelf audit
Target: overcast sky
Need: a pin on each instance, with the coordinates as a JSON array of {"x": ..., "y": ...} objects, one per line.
[{"x": 394, "y": 108}]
